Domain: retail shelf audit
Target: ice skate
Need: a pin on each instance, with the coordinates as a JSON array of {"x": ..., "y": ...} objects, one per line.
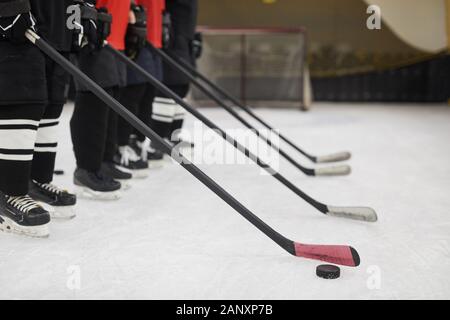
[
  {"x": 58, "y": 202},
  {"x": 23, "y": 215},
  {"x": 96, "y": 186},
  {"x": 154, "y": 157},
  {"x": 124, "y": 176},
  {"x": 128, "y": 159}
]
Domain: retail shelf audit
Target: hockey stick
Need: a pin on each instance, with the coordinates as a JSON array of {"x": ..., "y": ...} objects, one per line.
[
  {"x": 343, "y": 255},
  {"x": 330, "y": 171},
  {"x": 356, "y": 213},
  {"x": 336, "y": 157}
]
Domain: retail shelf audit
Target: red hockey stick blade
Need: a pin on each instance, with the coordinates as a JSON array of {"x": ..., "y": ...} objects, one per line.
[{"x": 342, "y": 255}]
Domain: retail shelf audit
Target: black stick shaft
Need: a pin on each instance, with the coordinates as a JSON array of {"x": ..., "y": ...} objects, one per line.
[
  {"x": 213, "y": 96},
  {"x": 161, "y": 87},
  {"x": 246, "y": 109},
  {"x": 283, "y": 242}
]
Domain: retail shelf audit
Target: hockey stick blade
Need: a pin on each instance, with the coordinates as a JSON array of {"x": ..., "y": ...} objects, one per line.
[
  {"x": 355, "y": 213},
  {"x": 342, "y": 255},
  {"x": 336, "y": 157},
  {"x": 333, "y": 171}
]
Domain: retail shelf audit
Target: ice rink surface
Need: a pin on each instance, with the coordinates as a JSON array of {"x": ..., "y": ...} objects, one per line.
[{"x": 171, "y": 238}]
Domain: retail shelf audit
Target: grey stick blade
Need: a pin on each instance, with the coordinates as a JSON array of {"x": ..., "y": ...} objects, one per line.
[
  {"x": 355, "y": 213},
  {"x": 333, "y": 171},
  {"x": 336, "y": 157}
]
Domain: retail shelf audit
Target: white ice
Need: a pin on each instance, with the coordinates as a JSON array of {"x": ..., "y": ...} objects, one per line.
[{"x": 171, "y": 238}]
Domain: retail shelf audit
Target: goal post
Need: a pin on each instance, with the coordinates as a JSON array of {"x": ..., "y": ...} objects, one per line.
[{"x": 260, "y": 66}]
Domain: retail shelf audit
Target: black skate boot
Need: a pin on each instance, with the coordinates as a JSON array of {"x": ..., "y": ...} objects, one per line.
[
  {"x": 22, "y": 215},
  {"x": 58, "y": 202},
  {"x": 154, "y": 156},
  {"x": 109, "y": 169},
  {"x": 128, "y": 159},
  {"x": 96, "y": 186}
]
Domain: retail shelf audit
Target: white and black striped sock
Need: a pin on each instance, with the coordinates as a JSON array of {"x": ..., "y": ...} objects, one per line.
[
  {"x": 17, "y": 138},
  {"x": 18, "y": 131}
]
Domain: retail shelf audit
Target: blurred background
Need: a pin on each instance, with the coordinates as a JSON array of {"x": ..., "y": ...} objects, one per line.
[{"x": 294, "y": 52}]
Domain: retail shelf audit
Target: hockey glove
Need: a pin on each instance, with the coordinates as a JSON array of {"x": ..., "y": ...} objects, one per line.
[
  {"x": 197, "y": 45},
  {"x": 104, "y": 21},
  {"x": 86, "y": 33},
  {"x": 136, "y": 36},
  {"x": 167, "y": 31}
]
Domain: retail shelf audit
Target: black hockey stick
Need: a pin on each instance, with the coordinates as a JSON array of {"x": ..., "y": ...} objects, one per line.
[
  {"x": 343, "y": 255},
  {"x": 336, "y": 157},
  {"x": 356, "y": 213},
  {"x": 330, "y": 171}
]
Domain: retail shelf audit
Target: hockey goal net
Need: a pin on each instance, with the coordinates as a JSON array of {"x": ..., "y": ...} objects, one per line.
[{"x": 260, "y": 66}]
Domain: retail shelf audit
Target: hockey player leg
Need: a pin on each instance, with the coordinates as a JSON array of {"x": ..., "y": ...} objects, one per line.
[
  {"x": 163, "y": 111},
  {"x": 59, "y": 202},
  {"x": 176, "y": 136},
  {"x": 108, "y": 168},
  {"x": 18, "y": 212},
  {"x": 137, "y": 167},
  {"x": 88, "y": 126},
  {"x": 139, "y": 142}
]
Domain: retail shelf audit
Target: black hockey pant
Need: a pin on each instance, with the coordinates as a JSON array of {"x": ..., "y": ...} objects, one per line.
[
  {"x": 94, "y": 130},
  {"x": 139, "y": 100}
]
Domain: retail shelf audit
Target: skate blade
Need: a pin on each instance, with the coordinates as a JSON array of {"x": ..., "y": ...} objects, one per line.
[
  {"x": 137, "y": 174},
  {"x": 9, "y": 226},
  {"x": 140, "y": 174},
  {"x": 59, "y": 213},
  {"x": 89, "y": 194},
  {"x": 156, "y": 164},
  {"x": 126, "y": 185},
  {"x": 123, "y": 169}
]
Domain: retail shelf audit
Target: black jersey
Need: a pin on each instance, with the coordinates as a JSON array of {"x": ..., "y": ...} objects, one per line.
[
  {"x": 51, "y": 16},
  {"x": 184, "y": 21},
  {"x": 9, "y": 8},
  {"x": 184, "y": 17}
]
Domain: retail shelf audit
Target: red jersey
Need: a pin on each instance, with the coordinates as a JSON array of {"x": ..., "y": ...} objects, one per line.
[
  {"x": 155, "y": 9},
  {"x": 119, "y": 9}
]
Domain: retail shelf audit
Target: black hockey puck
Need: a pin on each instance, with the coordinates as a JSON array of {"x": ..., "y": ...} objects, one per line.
[
  {"x": 328, "y": 271},
  {"x": 59, "y": 172}
]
